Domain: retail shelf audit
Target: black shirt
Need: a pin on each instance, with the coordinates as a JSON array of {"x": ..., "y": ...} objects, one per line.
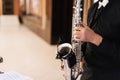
[{"x": 107, "y": 24}]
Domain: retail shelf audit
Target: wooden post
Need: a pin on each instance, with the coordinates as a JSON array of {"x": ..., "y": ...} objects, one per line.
[
  {"x": 0, "y": 7},
  {"x": 87, "y": 4},
  {"x": 16, "y": 7}
]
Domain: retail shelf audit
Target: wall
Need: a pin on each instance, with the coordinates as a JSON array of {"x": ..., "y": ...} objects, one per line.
[
  {"x": 16, "y": 7},
  {"x": 43, "y": 28},
  {"x": 22, "y": 7},
  {"x": 36, "y": 7},
  {"x": 56, "y": 18}
]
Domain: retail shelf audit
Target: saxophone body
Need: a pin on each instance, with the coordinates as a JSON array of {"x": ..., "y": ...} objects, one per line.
[
  {"x": 71, "y": 54},
  {"x": 76, "y": 46}
]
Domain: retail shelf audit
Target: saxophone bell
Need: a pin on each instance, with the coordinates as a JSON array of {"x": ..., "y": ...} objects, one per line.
[{"x": 64, "y": 50}]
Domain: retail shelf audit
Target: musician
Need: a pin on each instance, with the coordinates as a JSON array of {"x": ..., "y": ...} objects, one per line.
[{"x": 101, "y": 41}]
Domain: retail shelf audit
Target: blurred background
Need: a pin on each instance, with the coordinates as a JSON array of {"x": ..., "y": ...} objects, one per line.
[{"x": 29, "y": 32}]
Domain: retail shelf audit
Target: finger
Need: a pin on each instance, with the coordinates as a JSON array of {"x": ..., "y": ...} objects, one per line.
[
  {"x": 76, "y": 36},
  {"x": 76, "y": 29},
  {"x": 77, "y": 39},
  {"x": 76, "y": 33}
]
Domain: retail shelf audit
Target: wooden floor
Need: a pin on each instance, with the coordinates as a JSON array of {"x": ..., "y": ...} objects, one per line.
[{"x": 25, "y": 52}]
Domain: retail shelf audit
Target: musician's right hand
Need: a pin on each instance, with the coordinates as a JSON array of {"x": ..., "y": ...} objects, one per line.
[{"x": 85, "y": 34}]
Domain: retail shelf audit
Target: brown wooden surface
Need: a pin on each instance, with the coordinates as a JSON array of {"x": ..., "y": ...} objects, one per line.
[
  {"x": 87, "y": 4},
  {"x": 0, "y": 7},
  {"x": 16, "y": 7}
]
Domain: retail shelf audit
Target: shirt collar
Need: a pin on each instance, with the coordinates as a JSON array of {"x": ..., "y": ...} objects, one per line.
[{"x": 103, "y": 3}]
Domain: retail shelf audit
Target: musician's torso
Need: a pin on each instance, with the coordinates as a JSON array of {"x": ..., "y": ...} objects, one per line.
[{"x": 106, "y": 24}]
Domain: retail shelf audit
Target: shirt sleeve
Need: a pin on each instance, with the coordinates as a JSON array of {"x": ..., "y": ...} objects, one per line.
[{"x": 109, "y": 49}]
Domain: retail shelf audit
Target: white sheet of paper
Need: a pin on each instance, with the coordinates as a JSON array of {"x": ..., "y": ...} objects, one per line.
[{"x": 13, "y": 75}]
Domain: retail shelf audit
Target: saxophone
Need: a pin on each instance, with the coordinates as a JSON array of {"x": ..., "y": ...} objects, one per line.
[
  {"x": 71, "y": 54},
  {"x": 76, "y": 46}
]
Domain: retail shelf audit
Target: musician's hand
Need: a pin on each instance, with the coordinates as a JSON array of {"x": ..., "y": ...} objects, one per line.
[{"x": 86, "y": 34}]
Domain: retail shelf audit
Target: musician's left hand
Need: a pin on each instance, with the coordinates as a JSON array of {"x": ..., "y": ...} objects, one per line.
[{"x": 85, "y": 34}]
